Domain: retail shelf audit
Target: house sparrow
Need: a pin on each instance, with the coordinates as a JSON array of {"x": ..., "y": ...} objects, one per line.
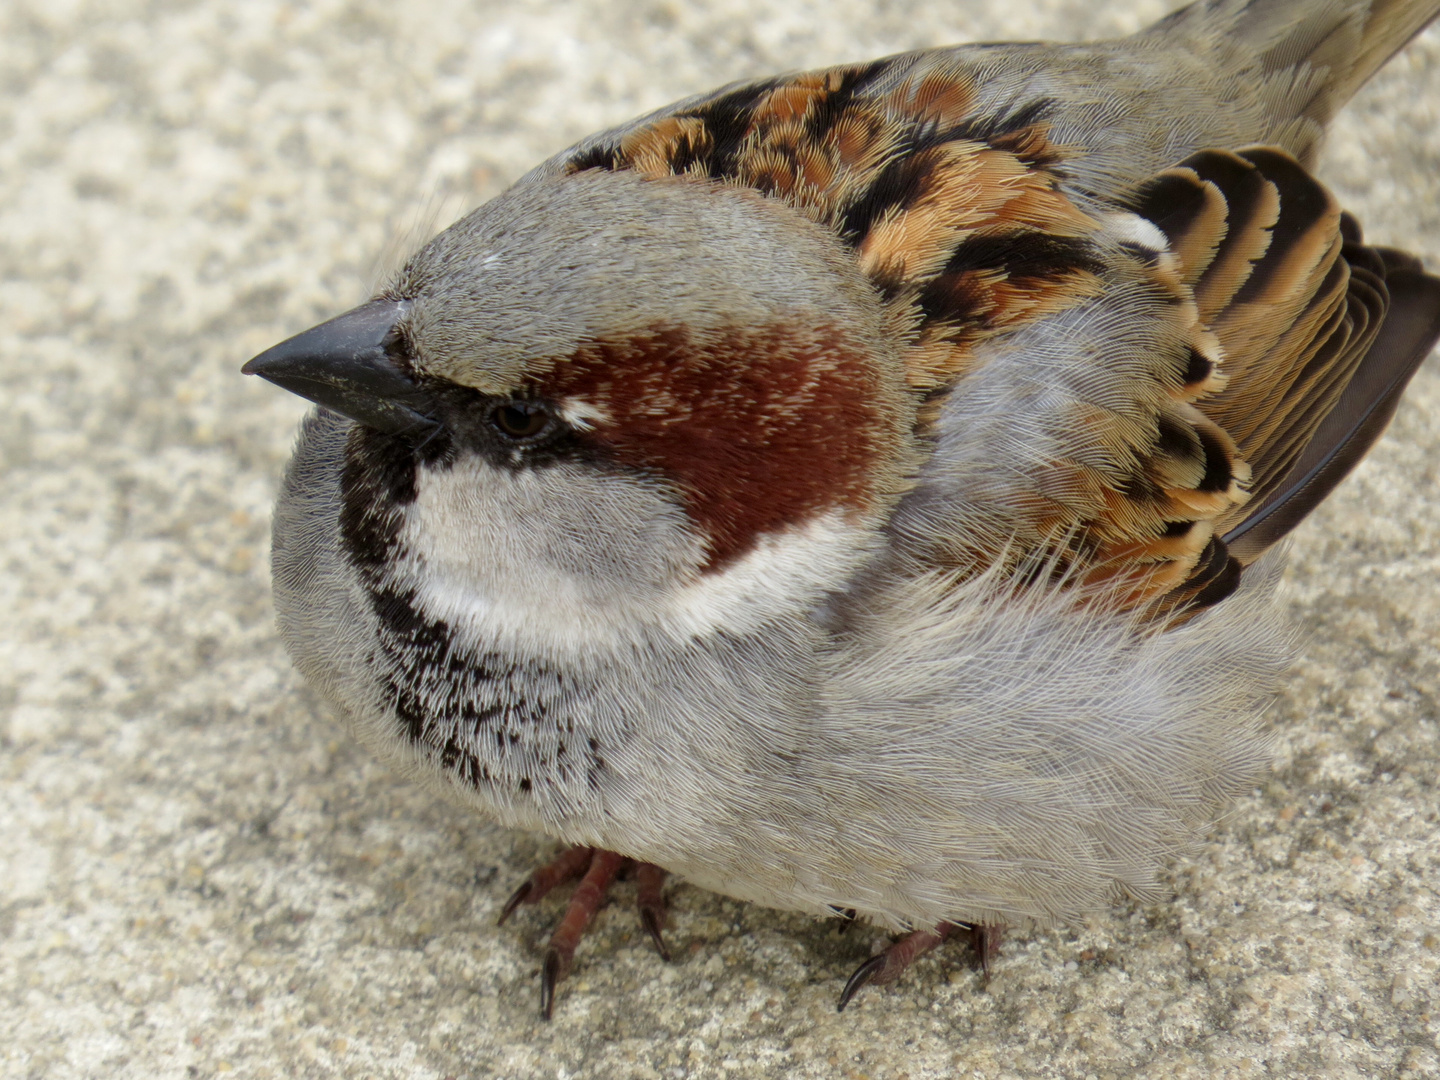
[{"x": 852, "y": 490}]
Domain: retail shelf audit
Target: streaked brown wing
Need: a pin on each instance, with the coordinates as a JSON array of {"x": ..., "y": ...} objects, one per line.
[{"x": 1319, "y": 333}]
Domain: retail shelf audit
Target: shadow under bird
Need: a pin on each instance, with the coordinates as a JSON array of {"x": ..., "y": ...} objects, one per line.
[{"x": 852, "y": 490}]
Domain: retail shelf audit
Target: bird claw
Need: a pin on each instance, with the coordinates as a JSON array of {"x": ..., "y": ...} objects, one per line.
[
  {"x": 570, "y": 865},
  {"x": 862, "y": 976},
  {"x": 550, "y": 975},
  {"x": 649, "y": 881},
  {"x": 516, "y": 899},
  {"x": 985, "y": 941},
  {"x": 652, "y": 920},
  {"x": 596, "y": 869},
  {"x": 886, "y": 966}
]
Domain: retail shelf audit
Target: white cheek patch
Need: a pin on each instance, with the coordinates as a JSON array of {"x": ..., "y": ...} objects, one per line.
[
  {"x": 783, "y": 573},
  {"x": 565, "y": 564}
]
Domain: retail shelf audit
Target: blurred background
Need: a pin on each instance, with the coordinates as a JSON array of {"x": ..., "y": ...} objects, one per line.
[{"x": 200, "y": 874}]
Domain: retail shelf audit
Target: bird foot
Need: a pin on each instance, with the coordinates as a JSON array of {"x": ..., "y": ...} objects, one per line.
[
  {"x": 885, "y": 967},
  {"x": 596, "y": 870}
]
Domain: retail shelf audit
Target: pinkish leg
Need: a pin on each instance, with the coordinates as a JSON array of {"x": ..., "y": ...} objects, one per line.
[
  {"x": 569, "y": 866},
  {"x": 589, "y": 895},
  {"x": 597, "y": 870},
  {"x": 886, "y": 967}
]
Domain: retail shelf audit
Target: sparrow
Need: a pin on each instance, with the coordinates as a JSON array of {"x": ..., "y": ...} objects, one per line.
[{"x": 859, "y": 491}]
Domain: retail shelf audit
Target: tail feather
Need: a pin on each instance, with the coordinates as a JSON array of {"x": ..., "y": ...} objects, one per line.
[
  {"x": 1310, "y": 55},
  {"x": 1347, "y": 433},
  {"x": 1350, "y": 40}
]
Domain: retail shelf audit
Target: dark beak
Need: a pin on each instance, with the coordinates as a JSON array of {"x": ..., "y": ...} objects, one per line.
[{"x": 345, "y": 365}]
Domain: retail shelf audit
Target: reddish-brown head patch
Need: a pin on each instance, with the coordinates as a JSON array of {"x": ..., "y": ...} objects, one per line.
[{"x": 759, "y": 429}]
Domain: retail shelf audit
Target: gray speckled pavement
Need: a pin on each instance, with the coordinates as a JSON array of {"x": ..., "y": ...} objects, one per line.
[{"x": 200, "y": 875}]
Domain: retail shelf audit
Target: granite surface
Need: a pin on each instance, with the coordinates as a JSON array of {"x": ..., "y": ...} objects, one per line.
[{"x": 200, "y": 875}]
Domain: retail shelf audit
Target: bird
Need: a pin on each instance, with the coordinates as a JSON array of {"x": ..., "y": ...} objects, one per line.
[{"x": 862, "y": 491}]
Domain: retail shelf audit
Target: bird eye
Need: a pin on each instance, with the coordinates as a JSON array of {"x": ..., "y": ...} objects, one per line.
[{"x": 520, "y": 419}]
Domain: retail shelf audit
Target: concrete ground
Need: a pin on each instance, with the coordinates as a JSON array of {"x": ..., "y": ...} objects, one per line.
[{"x": 200, "y": 875}]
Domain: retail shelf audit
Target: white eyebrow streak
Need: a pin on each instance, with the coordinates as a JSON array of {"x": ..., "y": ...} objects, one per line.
[{"x": 581, "y": 414}]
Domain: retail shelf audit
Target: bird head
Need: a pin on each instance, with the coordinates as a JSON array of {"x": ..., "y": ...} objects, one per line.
[{"x": 620, "y": 391}]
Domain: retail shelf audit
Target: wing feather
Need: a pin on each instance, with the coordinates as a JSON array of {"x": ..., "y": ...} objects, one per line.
[{"x": 1319, "y": 338}]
